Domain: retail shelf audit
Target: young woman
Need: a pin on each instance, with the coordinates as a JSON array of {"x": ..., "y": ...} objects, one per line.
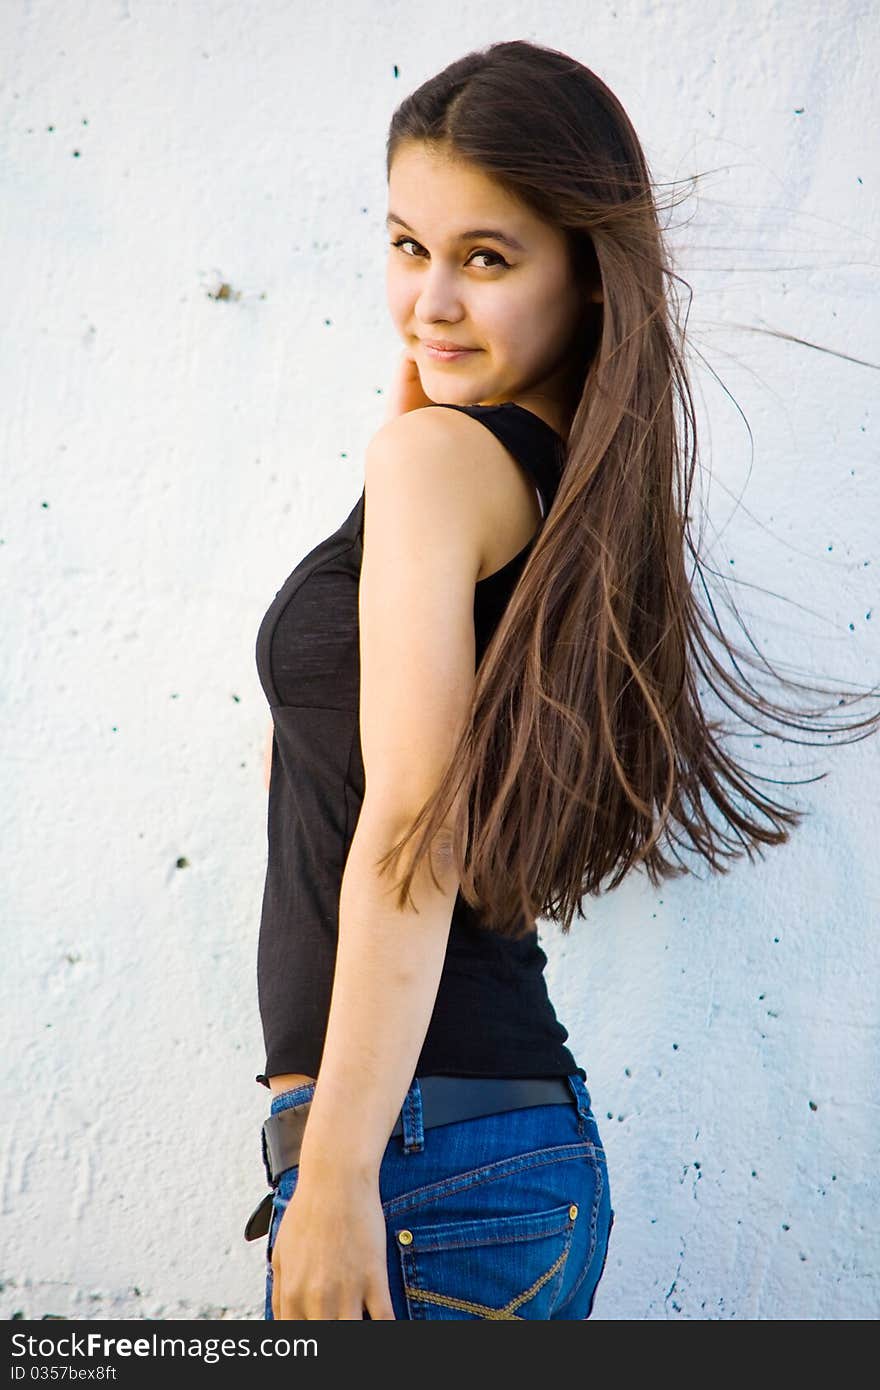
[{"x": 484, "y": 705}]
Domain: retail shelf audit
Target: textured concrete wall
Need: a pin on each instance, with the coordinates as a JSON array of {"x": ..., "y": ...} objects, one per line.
[{"x": 171, "y": 449}]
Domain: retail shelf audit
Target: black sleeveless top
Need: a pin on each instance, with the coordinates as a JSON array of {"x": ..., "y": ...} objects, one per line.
[{"x": 492, "y": 1015}]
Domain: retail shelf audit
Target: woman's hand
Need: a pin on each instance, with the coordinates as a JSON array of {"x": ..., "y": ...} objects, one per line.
[
  {"x": 329, "y": 1259},
  {"x": 405, "y": 392}
]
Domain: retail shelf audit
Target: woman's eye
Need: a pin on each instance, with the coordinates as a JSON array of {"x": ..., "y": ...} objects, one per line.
[
  {"x": 499, "y": 260},
  {"x": 404, "y": 241},
  {"x": 408, "y": 241}
]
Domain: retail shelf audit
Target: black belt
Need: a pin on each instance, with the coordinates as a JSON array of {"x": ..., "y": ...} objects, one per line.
[{"x": 445, "y": 1099}]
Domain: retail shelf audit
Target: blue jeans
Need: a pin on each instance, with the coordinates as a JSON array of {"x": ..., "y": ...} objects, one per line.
[{"x": 502, "y": 1216}]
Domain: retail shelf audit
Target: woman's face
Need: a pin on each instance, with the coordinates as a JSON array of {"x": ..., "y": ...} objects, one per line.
[{"x": 514, "y": 302}]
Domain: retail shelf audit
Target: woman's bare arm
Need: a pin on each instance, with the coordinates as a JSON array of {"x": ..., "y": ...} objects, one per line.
[
  {"x": 423, "y": 548},
  {"x": 424, "y": 517}
]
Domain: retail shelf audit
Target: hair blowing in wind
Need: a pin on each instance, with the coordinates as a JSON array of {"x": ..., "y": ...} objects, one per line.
[{"x": 586, "y": 751}]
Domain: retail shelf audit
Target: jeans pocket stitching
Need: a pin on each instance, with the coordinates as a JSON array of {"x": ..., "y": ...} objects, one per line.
[
  {"x": 594, "y": 1221},
  {"x": 410, "y": 1270},
  {"x": 589, "y": 1311}
]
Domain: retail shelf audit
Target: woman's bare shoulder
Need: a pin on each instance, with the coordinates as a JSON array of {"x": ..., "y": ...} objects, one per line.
[{"x": 502, "y": 501}]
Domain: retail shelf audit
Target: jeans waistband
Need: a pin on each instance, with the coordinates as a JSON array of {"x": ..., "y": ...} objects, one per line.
[{"x": 429, "y": 1101}]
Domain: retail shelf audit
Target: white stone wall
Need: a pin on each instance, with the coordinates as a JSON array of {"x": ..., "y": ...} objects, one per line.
[{"x": 169, "y": 453}]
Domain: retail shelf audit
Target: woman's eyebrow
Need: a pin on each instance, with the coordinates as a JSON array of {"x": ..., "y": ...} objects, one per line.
[{"x": 473, "y": 235}]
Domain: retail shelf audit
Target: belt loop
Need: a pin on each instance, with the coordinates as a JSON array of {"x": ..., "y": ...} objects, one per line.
[
  {"x": 582, "y": 1096},
  {"x": 266, "y": 1164},
  {"x": 411, "y": 1114}
]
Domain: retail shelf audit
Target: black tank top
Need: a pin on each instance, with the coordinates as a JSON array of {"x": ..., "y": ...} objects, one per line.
[{"x": 492, "y": 1016}]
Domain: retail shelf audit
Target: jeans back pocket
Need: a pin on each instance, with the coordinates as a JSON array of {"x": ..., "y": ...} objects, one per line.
[{"x": 492, "y": 1267}]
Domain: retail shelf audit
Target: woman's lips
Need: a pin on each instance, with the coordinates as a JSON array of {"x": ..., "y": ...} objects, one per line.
[{"x": 447, "y": 354}]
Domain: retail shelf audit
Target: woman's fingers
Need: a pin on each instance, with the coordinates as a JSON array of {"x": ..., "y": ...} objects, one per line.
[
  {"x": 342, "y": 1309},
  {"x": 405, "y": 392},
  {"x": 379, "y": 1309},
  {"x": 377, "y": 1295},
  {"x": 336, "y": 1304}
]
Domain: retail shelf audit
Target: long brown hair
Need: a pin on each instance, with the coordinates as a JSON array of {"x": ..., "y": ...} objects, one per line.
[{"x": 586, "y": 750}]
